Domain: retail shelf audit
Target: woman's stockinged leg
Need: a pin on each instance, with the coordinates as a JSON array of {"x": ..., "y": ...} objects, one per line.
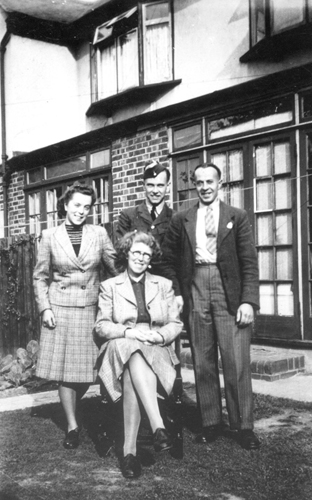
[
  {"x": 69, "y": 395},
  {"x": 144, "y": 381},
  {"x": 132, "y": 415}
]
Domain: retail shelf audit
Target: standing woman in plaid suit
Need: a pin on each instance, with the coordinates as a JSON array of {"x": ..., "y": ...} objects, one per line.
[{"x": 66, "y": 282}]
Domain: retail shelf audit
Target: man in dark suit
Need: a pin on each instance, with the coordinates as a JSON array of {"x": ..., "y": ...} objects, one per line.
[
  {"x": 209, "y": 254},
  {"x": 153, "y": 215}
]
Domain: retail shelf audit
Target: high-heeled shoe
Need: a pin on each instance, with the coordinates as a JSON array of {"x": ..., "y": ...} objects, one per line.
[
  {"x": 130, "y": 466},
  {"x": 162, "y": 440}
]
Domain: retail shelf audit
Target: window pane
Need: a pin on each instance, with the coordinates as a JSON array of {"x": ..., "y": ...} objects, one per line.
[
  {"x": 282, "y": 193},
  {"x": 157, "y": 43},
  {"x": 236, "y": 198},
  {"x": 219, "y": 159},
  {"x": 236, "y": 165},
  {"x": 66, "y": 167},
  {"x": 283, "y": 229},
  {"x": 264, "y": 195},
  {"x": 284, "y": 266},
  {"x": 267, "y": 299},
  {"x": 266, "y": 265},
  {"x": 264, "y": 230},
  {"x": 127, "y": 60},
  {"x": 263, "y": 161},
  {"x": 108, "y": 82},
  {"x": 34, "y": 175},
  {"x": 281, "y": 158},
  {"x": 101, "y": 207},
  {"x": 188, "y": 136},
  {"x": 157, "y": 12},
  {"x": 34, "y": 213},
  {"x": 100, "y": 158},
  {"x": 286, "y": 13},
  {"x": 285, "y": 300},
  {"x": 186, "y": 199}
]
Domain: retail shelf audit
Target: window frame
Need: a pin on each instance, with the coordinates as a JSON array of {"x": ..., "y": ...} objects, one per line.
[
  {"x": 87, "y": 176},
  {"x": 97, "y": 47}
]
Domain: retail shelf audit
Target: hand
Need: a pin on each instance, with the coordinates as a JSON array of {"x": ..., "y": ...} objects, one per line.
[
  {"x": 148, "y": 337},
  {"x": 244, "y": 315},
  {"x": 48, "y": 319},
  {"x": 180, "y": 302}
]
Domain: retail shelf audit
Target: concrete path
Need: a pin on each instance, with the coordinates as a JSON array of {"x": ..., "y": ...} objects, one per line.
[{"x": 298, "y": 388}]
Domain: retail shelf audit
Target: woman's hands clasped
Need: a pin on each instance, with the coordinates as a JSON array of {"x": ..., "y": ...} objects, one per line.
[{"x": 148, "y": 337}]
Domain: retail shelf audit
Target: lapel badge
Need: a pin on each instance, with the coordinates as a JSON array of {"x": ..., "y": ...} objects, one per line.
[{"x": 229, "y": 225}]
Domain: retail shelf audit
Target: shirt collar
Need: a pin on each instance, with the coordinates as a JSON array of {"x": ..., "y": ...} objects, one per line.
[
  {"x": 214, "y": 205},
  {"x": 158, "y": 208}
]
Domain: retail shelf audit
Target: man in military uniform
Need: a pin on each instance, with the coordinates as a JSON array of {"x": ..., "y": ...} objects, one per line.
[{"x": 153, "y": 215}]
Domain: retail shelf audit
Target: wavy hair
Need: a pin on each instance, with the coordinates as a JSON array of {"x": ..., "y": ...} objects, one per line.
[
  {"x": 69, "y": 193},
  {"x": 125, "y": 243}
]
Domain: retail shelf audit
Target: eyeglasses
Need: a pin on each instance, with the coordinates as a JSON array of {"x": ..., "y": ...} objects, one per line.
[{"x": 141, "y": 255}]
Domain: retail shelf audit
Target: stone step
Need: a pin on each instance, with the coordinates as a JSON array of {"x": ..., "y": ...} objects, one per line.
[{"x": 267, "y": 363}]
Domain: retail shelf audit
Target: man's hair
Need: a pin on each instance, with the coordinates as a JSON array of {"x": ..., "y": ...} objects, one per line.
[
  {"x": 125, "y": 243},
  {"x": 206, "y": 165},
  {"x": 69, "y": 193}
]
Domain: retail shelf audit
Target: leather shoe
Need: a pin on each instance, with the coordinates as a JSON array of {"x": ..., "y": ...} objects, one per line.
[
  {"x": 71, "y": 440},
  {"x": 248, "y": 440},
  {"x": 162, "y": 440},
  {"x": 209, "y": 434},
  {"x": 130, "y": 466}
]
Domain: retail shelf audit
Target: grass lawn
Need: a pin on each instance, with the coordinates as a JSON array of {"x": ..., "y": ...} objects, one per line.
[{"x": 34, "y": 465}]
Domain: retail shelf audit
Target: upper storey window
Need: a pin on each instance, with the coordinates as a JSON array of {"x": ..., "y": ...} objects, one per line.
[
  {"x": 277, "y": 26},
  {"x": 133, "y": 49}
]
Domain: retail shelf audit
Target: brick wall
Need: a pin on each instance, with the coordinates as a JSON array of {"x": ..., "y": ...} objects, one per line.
[
  {"x": 128, "y": 157},
  {"x": 16, "y": 208}
]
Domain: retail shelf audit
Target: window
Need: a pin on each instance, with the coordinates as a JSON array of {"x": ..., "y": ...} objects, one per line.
[
  {"x": 231, "y": 166},
  {"x": 45, "y": 185},
  {"x": 133, "y": 49},
  {"x": 272, "y": 17},
  {"x": 273, "y": 217}
]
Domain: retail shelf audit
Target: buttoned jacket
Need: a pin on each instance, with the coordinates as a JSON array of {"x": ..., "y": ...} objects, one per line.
[
  {"x": 236, "y": 256},
  {"x": 61, "y": 278},
  {"x": 118, "y": 308}
]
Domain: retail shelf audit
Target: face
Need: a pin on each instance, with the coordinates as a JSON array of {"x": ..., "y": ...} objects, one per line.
[
  {"x": 78, "y": 209},
  {"x": 139, "y": 258},
  {"x": 156, "y": 188},
  {"x": 207, "y": 184}
]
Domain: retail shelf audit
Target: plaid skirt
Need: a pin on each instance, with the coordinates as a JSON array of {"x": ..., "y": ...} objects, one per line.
[
  {"x": 116, "y": 355},
  {"x": 68, "y": 353}
]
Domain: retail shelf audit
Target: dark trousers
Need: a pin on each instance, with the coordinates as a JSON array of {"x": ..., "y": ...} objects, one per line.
[{"x": 211, "y": 325}]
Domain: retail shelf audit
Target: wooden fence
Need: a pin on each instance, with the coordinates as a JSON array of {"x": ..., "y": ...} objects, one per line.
[{"x": 19, "y": 318}]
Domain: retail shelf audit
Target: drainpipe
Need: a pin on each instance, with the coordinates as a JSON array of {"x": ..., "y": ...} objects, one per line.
[{"x": 5, "y": 168}]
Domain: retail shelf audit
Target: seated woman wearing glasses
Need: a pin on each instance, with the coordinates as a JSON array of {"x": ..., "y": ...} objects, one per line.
[{"x": 138, "y": 320}]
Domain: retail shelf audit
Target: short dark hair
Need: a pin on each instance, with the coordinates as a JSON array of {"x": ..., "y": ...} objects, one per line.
[
  {"x": 206, "y": 165},
  {"x": 69, "y": 193},
  {"x": 125, "y": 243}
]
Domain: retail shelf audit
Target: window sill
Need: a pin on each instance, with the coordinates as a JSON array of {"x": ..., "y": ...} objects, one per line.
[
  {"x": 131, "y": 96},
  {"x": 275, "y": 48}
]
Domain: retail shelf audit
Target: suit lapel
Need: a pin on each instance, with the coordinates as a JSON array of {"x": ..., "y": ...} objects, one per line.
[
  {"x": 124, "y": 287},
  {"x": 190, "y": 220},
  {"x": 151, "y": 288},
  {"x": 144, "y": 213},
  {"x": 88, "y": 237},
  {"x": 62, "y": 238},
  {"x": 226, "y": 222}
]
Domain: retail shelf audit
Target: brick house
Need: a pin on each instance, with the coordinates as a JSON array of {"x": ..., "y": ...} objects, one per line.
[{"x": 91, "y": 95}]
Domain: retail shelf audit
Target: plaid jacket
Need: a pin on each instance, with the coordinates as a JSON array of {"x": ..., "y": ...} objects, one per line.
[{"x": 75, "y": 280}]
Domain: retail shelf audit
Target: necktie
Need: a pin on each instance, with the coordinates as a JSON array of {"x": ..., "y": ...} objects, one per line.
[
  {"x": 210, "y": 229},
  {"x": 153, "y": 212}
]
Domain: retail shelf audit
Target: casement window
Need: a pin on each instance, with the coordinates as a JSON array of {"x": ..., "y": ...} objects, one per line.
[
  {"x": 45, "y": 185},
  {"x": 271, "y": 17},
  {"x": 277, "y": 28},
  {"x": 133, "y": 49}
]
